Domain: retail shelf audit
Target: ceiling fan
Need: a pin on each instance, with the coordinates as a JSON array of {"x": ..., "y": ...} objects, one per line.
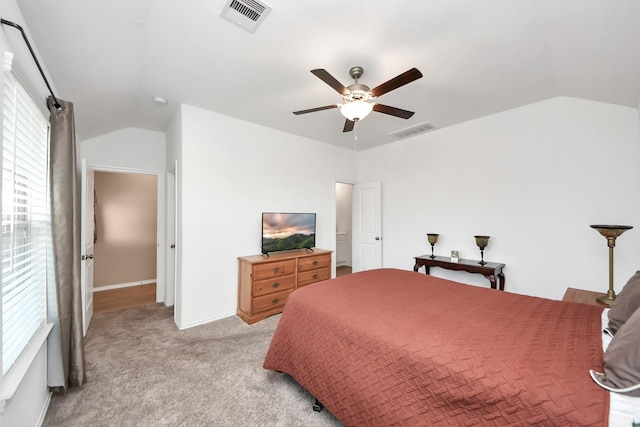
[{"x": 358, "y": 98}]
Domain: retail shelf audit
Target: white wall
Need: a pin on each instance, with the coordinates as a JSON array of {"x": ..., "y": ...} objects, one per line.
[
  {"x": 534, "y": 178},
  {"x": 130, "y": 148},
  {"x": 230, "y": 172},
  {"x": 30, "y": 402},
  {"x": 344, "y": 204}
]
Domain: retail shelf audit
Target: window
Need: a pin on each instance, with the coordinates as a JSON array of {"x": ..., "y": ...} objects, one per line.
[{"x": 25, "y": 220}]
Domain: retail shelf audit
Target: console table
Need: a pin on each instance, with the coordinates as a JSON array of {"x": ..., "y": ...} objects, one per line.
[{"x": 492, "y": 271}]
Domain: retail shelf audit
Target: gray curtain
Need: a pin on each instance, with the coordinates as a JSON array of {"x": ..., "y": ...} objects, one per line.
[{"x": 66, "y": 344}]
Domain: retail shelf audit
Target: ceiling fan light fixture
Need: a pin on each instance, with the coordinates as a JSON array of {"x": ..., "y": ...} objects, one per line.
[
  {"x": 359, "y": 99},
  {"x": 356, "y": 110}
]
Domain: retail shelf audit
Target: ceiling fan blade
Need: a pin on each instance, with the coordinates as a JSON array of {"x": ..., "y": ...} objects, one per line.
[
  {"x": 396, "y": 82},
  {"x": 313, "y": 110},
  {"x": 324, "y": 75},
  {"x": 348, "y": 125},
  {"x": 393, "y": 111}
]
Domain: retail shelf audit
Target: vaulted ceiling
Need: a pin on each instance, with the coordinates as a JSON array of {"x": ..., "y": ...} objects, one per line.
[{"x": 478, "y": 57}]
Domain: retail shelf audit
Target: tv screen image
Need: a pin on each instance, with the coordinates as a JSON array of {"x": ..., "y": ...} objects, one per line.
[{"x": 288, "y": 231}]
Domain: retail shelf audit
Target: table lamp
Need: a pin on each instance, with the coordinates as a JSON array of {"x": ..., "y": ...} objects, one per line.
[
  {"x": 433, "y": 239},
  {"x": 482, "y": 242},
  {"x": 611, "y": 232}
]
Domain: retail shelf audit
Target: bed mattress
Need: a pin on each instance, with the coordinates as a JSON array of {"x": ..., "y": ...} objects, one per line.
[{"x": 393, "y": 347}]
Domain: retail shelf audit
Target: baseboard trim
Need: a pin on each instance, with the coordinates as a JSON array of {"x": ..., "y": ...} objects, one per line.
[
  {"x": 45, "y": 408},
  {"x": 123, "y": 285},
  {"x": 182, "y": 327}
]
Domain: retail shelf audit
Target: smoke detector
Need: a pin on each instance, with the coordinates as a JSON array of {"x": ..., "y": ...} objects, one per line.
[
  {"x": 158, "y": 100},
  {"x": 247, "y": 14}
]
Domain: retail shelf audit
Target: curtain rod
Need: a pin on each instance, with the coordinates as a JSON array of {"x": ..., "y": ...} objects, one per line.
[{"x": 26, "y": 40}]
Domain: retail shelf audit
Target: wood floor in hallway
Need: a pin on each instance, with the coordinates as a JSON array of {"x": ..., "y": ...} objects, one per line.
[
  {"x": 123, "y": 298},
  {"x": 343, "y": 270}
]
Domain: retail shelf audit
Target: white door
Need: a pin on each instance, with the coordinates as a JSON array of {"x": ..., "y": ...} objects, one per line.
[
  {"x": 86, "y": 243},
  {"x": 367, "y": 227},
  {"x": 171, "y": 239},
  {"x": 175, "y": 242}
]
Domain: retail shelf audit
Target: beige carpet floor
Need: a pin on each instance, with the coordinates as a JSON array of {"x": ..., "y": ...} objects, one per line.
[{"x": 143, "y": 371}]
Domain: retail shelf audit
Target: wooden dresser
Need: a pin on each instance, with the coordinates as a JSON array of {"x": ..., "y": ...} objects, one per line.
[{"x": 264, "y": 283}]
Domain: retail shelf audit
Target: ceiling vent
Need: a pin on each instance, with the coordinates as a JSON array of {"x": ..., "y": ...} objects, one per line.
[
  {"x": 412, "y": 130},
  {"x": 247, "y": 14}
]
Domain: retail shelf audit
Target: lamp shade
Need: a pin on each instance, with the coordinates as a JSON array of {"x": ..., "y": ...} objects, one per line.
[{"x": 356, "y": 110}]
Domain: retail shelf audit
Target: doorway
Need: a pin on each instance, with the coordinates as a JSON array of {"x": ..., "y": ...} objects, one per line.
[
  {"x": 344, "y": 227},
  {"x": 125, "y": 240}
]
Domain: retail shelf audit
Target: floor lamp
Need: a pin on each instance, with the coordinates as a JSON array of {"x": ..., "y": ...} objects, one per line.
[{"x": 610, "y": 232}]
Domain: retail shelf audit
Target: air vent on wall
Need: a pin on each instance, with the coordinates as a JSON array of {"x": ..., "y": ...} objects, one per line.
[
  {"x": 247, "y": 14},
  {"x": 412, "y": 130}
]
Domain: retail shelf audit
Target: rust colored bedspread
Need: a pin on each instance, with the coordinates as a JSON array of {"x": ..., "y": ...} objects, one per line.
[{"x": 392, "y": 347}]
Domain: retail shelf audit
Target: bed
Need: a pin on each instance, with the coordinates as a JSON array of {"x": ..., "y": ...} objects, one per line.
[{"x": 393, "y": 347}]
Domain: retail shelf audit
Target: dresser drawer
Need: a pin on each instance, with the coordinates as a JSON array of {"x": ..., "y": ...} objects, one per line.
[
  {"x": 270, "y": 301},
  {"x": 275, "y": 284},
  {"x": 314, "y": 262},
  {"x": 274, "y": 269},
  {"x": 311, "y": 276}
]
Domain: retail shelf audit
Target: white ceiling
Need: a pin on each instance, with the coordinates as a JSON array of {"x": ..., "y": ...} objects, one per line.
[{"x": 478, "y": 57}]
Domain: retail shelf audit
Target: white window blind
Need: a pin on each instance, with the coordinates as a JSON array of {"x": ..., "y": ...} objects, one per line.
[{"x": 25, "y": 220}]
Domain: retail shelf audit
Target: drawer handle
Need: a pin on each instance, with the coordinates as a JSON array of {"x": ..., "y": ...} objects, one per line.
[
  {"x": 276, "y": 269},
  {"x": 315, "y": 262},
  {"x": 315, "y": 276},
  {"x": 275, "y": 285},
  {"x": 275, "y": 300}
]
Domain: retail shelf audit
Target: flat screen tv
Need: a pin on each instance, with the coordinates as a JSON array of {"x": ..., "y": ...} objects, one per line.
[{"x": 288, "y": 231}]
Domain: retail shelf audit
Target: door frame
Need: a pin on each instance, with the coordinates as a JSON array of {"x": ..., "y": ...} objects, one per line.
[
  {"x": 171, "y": 233},
  {"x": 335, "y": 216},
  {"x": 160, "y": 218}
]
